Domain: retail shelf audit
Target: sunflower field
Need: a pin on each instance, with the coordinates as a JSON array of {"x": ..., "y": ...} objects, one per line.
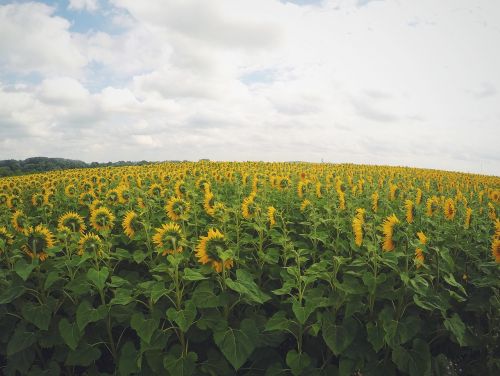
[{"x": 251, "y": 269}]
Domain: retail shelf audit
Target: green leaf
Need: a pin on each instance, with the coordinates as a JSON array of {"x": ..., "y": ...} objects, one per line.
[
  {"x": 192, "y": 275},
  {"x": 338, "y": 337},
  {"x": 237, "y": 344},
  {"x": 204, "y": 296},
  {"x": 375, "y": 335},
  {"x": 23, "y": 269},
  {"x": 457, "y": 327},
  {"x": 98, "y": 277},
  {"x": 37, "y": 314},
  {"x": 52, "y": 277},
  {"x": 139, "y": 256},
  {"x": 70, "y": 333},
  {"x": 183, "y": 318},
  {"x": 122, "y": 297},
  {"x": 21, "y": 340},
  {"x": 83, "y": 356},
  {"x": 297, "y": 362},
  {"x": 128, "y": 359},
  {"x": 416, "y": 361},
  {"x": 144, "y": 327},
  {"x": 183, "y": 366},
  {"x": 279, "y": 322},
  {"x": 246, "y": 286},
  {"x": 11, "y": 292},
  {"x": 86, "y": 314},
  {"x": 300, "y": 312}
]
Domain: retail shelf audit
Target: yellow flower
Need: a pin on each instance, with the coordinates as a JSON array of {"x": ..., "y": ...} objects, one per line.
[
  {"x": 357, "y": 226},
  {"x": 209, "y": 202},
  {"x": 319, "y": 190},
  {"x": 37, "y": 200},
  {"x": 491, "y": 211},
  {"x": 248, "y": 207},
  {"x": 169, "y": 239},
  {"x": 130, "y": 224},
  {"x": 70, "y": 190},
  {"x": 495, "y": 250},
  {"x": 71, "y": 221},
  {"x": 155, "y": 190},
  {"x": 341, "y": 200},
  {"x": 449, "y": 209},
  {"x": 208, "y": 250},
  {"x": 301, "y": 188},
  {"x": 90, "y": 243},
  {"x": 419, "y": 257},
  {"x": 422, "y": 238},
  {"x": 388, "y": 231},
  {"x": 20, "y": 221},
  {"x": 271, "y": 211},
  {"x": 468, "y": 217},
  {"x": 418, "y": 196},
  {"x": 5, "y": 236},
  {"x": 177, "y": 209},
  {"x": 102, "y": 219},
  {"x": 410, "y": 211},
  {"x": 39, "y": 240},
  {"x": 304, "y": 205},
  {"x": 431, "y": 205},
  {"x": 180, "y": 189}
]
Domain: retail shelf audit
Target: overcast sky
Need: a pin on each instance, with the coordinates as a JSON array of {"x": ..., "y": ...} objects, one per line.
[{"x": 399, "y": 82}]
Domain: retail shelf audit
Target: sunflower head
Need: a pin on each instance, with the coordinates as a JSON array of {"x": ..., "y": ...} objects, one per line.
[
  {"x": 421, "y": 237},
  {"x": 305, "y": 205},
  {"x": 20, "y": 221},
  {"x": 70, "y": 190},
  {"x": 209, "y": 249},
  {"x": 13, "y": 201},
  {"x": 169, "y": 239},
  {"x": 180, "y": 188},
  {"x": 375, "y": 201},
  {"x": 419, "y": 257},
  {"x": 284, "y": 183},
  {"x": 495, "y": 250},
  {"x": 6, "y": 236},
  {"x": 131, "y": 224},
  {"x": 388, "y": 231},
  {"x": 155, "y": 190},
  {"x": 410, "y": 211},
  {"x": 37, "y": 200},
  {"x": 177, "y": 209},
  {"x": 468, "y": 217},
  {"x": 449, "y": 209},
  {"x": 248, "y": 207},
  {"x": 271, "y": 215},
  {"x": 72, "y": 222},
  {"x": 39, "y": 239},
  {"x": 90, "y": 243},
  {"x": 492, "y": 213},
  {"x": 86, "y": 198},
  {"x": 209, "y": 202},
  {"x": 102, "y": 219},
  {"x": 113, "y": 196}
]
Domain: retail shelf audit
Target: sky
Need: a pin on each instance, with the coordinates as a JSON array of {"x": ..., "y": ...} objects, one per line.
[{"x": 395, "y": 82}]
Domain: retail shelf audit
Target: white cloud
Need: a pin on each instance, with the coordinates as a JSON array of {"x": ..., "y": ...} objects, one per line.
[
  {"x": 90, "y": 5},
  {"x": 34, "y": 40}
]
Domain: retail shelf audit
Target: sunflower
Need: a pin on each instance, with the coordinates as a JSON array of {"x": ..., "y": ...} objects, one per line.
[
  {"x": 38, "y": 241},
  {"x": 393, "y": 191},
  {"x": 209, "y": 202},
  {"x": 102, "y": 219},
  {"x": 37, "y": 199},
  {"x": 86, "y": 198},
  {"x": 5, "y": 236},
  {"x": 113, "y": 196},
  {"x": 418, "y": 196},
  {"x": 301, "y": 188},
  {"x": 375, "y": 201},
  {"x": 388, "y": 231},
  {"x": 202, "y": 183},
  {"x": 70, "y": 190},
  {"x": 208, "y": 250},
  {"x": 495, "y": 250},
  {"x": 432, "y": 205},
  {"x": 449, "y": 209},
  {"x": 177, "y": 209},
  {"x": 90, "y": 243},
  {"x": 357, "y": 226},
  {"x": 410, "y": 211},
  {"x": 71, "y": 221},
  {"x": 422, "y": 238},
  {"x": 169, "y": 239},
  {"x": 491, "y": 211},
  {"x": 271, "y": 215},
  {"x": 341, "y": 200},
  {"x": 419, "y": 257},
  {"x": 320, "y": 190},
  {"x": 13, "y": 201},
  {"x": 248, "y": 207},
  {"x": 155, "y": 190},
  {"x": 180, "y": 189},
  {"x": 468, "y": 217},
  {"x": 130, "y": 223},
  {"x": 20, "y": 221},
  {"x": 497, "y": 229},
  {"x": 284, "y": 183},
  {"x": 96, "y": 204},
  {"x": 123, "y": 195},
  {"x": 304, "y": 205},
  {"x": 3, "y": 199}
]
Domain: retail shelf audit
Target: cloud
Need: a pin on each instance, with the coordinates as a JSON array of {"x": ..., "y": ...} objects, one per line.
[
  {"x": 89, "y": 5},
  {"x": 34, "y": 40}
]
